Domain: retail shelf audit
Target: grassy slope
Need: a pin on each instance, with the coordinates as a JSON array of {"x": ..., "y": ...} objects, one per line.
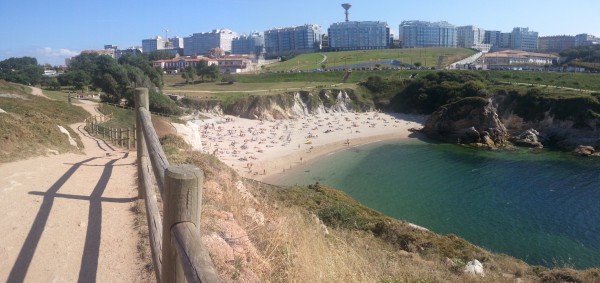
[
  {"x": 428, "y": 57},
  {"x": 586, "y": 81},
  {"x": 29, "y": 128}
]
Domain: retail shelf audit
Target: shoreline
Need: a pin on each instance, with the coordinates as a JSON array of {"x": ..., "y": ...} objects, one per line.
[{"x": 263, "y": 150}]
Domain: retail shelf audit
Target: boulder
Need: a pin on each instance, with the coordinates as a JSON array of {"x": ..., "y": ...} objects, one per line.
[
  {"x": 474, "y": 267},
  {"x": 528, "y": 138},
  {"x": 584, "y": 150}
]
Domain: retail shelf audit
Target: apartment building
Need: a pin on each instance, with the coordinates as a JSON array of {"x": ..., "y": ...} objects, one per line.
[
  {"x": 358, "y": 35},
  {"x": 201, "y": 43},
  {"x": 427, "y": 34},
  {"x": 292, "y": 40},
  {"x": 555, "y": 43},
  {"x": 471, "y": 37},
  {"x": 248, "y": 44}
]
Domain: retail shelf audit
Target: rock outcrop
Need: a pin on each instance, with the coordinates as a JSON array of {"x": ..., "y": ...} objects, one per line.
[
  {"x": 529, "y": 138},
  {"x": 470, "y": 120},
  {"x": 295, "y": 104},
  {"x": 474, "y": 267}
]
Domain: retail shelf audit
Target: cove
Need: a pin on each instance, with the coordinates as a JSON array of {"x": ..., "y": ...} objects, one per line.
[{"x": 539, "y": 206}]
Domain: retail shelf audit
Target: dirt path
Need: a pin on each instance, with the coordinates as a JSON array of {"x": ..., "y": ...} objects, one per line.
[
  {"x": 38, "y": 92},
  {"x": 67, "y": 218}
]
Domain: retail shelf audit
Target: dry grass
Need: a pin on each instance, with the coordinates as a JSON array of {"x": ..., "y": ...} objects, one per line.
[{"x": 256, "y": 232}]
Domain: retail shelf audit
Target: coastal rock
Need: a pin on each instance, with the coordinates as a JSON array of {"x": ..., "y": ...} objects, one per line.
[
  {"x": 584, "y": 150},
  {"x": 474, "y": 267},
  {"x": 529, "y": 138},
  {"x": 470, "y": 120}
]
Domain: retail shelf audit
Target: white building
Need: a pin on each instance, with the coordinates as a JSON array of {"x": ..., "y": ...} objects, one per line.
[
  {"x": 153, "y": 44},
  {"x": 201, "y": 43},
  {"x": 471, "y": 37},
  {"x": 359, "y": 36}
]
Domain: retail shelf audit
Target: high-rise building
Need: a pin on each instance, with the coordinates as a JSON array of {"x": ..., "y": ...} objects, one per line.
[
  {"x": 555, "y": 43},
  {"x": 359, "y": 36},
  {"x": 153, "y": 44},
  {"x": 471, "y": 37},
  {"x": 292, "y": 40},
  {"x": 201, "y": 43},
  {"x": 176, "y": 42},
  {"x": 586, "y": 39},
  {"x": 248, "y": 44},
  {"x": 427, "y": 34},
  {"x": 492, "y": 37},
  {"x": 524, "y": 39}
]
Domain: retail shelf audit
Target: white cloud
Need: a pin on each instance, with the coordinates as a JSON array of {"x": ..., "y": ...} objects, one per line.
[{"x": 53, "y": 56}]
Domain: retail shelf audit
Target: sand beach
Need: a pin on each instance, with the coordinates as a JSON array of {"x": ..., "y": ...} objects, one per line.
[{"x": 263, "y": 149}]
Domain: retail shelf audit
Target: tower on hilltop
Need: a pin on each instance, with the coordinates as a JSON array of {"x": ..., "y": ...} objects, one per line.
[{"x": 346, "y": 7}]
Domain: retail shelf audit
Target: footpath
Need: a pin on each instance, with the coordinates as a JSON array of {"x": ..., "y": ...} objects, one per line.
[{"x": 68, "y": 218}]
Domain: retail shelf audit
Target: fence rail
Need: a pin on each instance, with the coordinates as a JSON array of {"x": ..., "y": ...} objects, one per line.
[
  {"x": 122, "y": 137},
  {"x": 177, "y": 251}
]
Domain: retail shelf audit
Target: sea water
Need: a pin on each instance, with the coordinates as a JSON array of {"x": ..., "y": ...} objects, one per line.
[{"x": 540, "y": 206}]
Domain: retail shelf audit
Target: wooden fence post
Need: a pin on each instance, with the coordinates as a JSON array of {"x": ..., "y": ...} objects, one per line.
[
  {"x": 121, "y": 137},
  {"x": 182, "y": 203},
  {"x": 128, "y": 139},
  {"x": 141, "y": 100}
]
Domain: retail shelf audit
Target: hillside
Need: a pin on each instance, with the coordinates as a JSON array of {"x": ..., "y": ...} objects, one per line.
[
  {"x": 426, "y": 57},
  {"x": 29, "y": 124}
]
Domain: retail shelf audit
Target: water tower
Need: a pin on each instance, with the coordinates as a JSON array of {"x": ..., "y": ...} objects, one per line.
[{"x": 346, "y": 7}]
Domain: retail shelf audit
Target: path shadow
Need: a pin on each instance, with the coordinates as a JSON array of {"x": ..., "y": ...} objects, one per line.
[
  {"x": 98, "y": 141},
  {"x": 91, "y": 249},
  {"x": 19, "y": 270}
]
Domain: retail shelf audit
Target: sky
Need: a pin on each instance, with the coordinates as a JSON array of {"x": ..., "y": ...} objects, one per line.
[{"x": 54, "y": 30}]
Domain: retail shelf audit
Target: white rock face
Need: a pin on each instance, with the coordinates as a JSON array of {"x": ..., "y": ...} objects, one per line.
[
  {"x": 474, "y": 267},
  {"x": 2, "y": 111},
  {"x": 71, "y": 140},
  {"x": 190, "y": 132}
]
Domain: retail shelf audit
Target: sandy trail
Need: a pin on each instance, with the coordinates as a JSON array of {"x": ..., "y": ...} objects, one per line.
[{"x": 67, "y": 218}]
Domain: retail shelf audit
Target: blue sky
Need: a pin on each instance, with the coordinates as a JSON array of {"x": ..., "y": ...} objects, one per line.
[{"x": 54, "y": 30}]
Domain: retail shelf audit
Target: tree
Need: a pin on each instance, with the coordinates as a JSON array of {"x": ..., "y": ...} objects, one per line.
[
  {"x": 190, "y": 74},
  {"x": 203, "y": 69},
  {"x": 24, "y": 70},
  {"x": 160, "y": 55}
]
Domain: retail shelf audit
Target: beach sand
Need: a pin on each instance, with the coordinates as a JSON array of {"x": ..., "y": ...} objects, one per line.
[{"x": 263, "y": 149}]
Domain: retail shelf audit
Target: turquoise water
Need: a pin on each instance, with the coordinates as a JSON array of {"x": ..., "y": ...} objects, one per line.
[{"x": 542, "y": 207}]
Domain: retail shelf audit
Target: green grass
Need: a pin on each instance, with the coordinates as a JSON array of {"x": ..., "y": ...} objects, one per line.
[
  {"x": 585, "y": 81},
  {"x": 30, "y": 126},
  {"x": 428, "y": 57},
  {"x": 121, "y": 118}
]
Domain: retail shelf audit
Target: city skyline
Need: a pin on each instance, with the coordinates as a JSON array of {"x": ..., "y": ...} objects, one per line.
[{"x": 52, "y": 31}]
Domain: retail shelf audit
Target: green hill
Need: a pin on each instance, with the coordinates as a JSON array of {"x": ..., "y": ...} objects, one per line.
[{"x": 427, "y": 57}]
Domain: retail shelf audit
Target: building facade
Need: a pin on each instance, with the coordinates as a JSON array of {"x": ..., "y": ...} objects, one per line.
[
  {"x": 524, "y": 39},
  {"x": 358, "y": 36},
  {"x": 176, "y": 42},
  {"x": 248, "y": 44},
  {"x": 471, "y": 37},
  {"x": 419, "y": 34},
  {"x": 178, "y": 64},
  {"x": 292, "y": 40},
  {"x": 585, "y": 39},
  {"x": 153, "y": 44},
  {"x": 201, "y": 43},
  {"x": 555, "y": 43},
  {"x": 517, "y": 60}
]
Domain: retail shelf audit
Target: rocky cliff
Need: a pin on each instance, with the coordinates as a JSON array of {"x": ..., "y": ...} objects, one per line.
[
  {"x": 294, "y": 104},
  {"x": 520, "y": 120},
  {"x": 470, "y": 120}
]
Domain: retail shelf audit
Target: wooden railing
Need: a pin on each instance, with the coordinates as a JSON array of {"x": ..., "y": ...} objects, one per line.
[
  {"x": 122, "y": 137},
  {"x": 177, "y": 251}
]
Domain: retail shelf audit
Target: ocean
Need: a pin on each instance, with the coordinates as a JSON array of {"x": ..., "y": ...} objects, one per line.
[{"x": 540, "y": 206}]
